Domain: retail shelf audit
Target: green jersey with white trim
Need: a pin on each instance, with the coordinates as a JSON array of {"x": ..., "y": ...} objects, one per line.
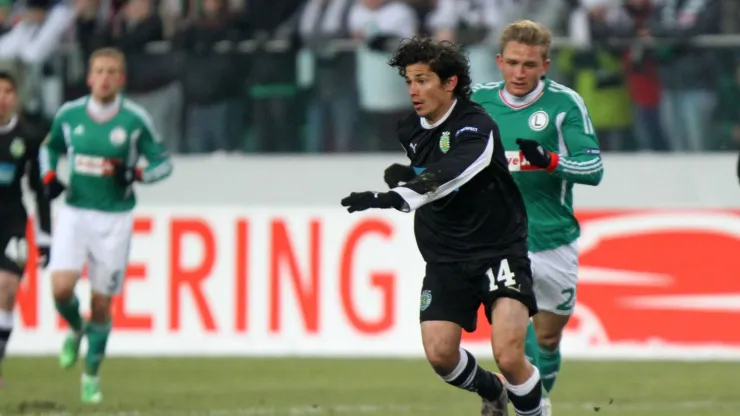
[
  {"x": 556, "y": 117},
  {"x": 94, "y": 146}
]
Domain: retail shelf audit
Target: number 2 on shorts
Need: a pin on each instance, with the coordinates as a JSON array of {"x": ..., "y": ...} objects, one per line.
[{"x": 504, "y": 275}]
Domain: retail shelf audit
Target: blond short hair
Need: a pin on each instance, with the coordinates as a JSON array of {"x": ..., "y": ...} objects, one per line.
[
  {"x": 109, "y": 53},
  {"x": 529, "y": 33}
]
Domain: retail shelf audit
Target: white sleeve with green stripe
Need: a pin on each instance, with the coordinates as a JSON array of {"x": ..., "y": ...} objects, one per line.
[
  {"x": 580, "y": 157},
  {"x": 149, "y": 144}
]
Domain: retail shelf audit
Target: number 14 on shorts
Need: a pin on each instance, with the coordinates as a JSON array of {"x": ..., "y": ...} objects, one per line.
[{"x": 503, "y": 277}]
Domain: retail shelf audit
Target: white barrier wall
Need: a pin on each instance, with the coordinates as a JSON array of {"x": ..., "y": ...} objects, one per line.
[
  {"x": 630, "y": 181},
  {"x": 254, "y": 256}
]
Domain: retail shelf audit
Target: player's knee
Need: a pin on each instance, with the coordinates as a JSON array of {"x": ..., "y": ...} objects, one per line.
[
  {"x": 549, "y": 329},
  {"x": 63, "y": 285},
  {"x": 509, "y": 361},
  {"x": 442, "y": 357},
  {"x": 441, "y": 340},
  {"x": 8, "y": 290},
  {"x": 100, "y": 308},
  {"x": 508, "y": 350},
  {"x": 549, "y": 339}
]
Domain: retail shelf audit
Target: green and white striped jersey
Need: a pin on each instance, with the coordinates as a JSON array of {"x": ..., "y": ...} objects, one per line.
[
  {"x": 557, "y": 118},
  {"x": 93, "y": 146}
]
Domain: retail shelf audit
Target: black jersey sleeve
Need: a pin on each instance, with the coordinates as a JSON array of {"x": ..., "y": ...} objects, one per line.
[
  {"x": 35, "y": 182},
  {"x": 471, "y": 151}
]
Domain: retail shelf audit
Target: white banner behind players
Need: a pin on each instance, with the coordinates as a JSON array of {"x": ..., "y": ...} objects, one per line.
[
  {"x": 282, "y": 280},
  {"x": 319, "y": 282}
]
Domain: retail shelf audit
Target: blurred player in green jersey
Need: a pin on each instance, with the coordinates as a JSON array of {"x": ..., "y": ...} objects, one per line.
[
  {"x": 550, "y": 146},
  {"x": 103, "y": 135}
]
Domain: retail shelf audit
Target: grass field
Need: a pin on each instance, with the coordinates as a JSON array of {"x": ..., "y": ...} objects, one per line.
[{"x": 267, "y": 387}]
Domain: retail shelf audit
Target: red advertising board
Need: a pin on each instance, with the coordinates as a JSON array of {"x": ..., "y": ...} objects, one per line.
[
  {"x": 302, "y": 281},
  {"x": 666, "y": 276}
]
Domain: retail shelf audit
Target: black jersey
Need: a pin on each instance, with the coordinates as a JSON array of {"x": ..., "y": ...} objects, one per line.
[
  {"x": 19, "y": 149},
  {"x": 468, "y": 206}
]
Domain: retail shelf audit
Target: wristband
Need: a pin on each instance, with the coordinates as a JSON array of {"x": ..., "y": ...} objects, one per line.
[{"x": 49, "y": 177}]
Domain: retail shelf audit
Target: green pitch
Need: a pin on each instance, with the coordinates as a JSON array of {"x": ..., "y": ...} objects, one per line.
[{"x": 296, "y": 387}]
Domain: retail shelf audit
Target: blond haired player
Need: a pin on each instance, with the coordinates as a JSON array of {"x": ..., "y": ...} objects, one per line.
[
  {"x": 103, "y": 135},
  {"x": 550, "y": 145}
]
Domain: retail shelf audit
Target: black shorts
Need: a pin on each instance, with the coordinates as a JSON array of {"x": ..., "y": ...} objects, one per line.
[
  {"x": 453, "y": 292},
  {"x": 13, "y": 247}
]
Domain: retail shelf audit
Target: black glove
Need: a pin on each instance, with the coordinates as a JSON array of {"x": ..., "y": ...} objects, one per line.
[
  {"x": 44, "y": 255},
  {"x": 360, "y": 201},
  {"x": 396, "y": 173},
  {"x": 535, "y": 153},
  {"x": 52, "y": 187},
  {"x": 126, "y": 175}
]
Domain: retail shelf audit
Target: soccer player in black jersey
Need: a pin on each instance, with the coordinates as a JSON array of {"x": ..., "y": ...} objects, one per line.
[
  {"x": 470, "y": 226},
  {"x": 19, "y": 145}
]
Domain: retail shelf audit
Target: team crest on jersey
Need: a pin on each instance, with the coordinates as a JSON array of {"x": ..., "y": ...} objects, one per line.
[
  {"x": 444, "y": 142},
  {"x": 426, "y": 299},
  {"x": 538, "y": 121},
  {"x": 118, "y": 136},
  {"x": 17, "y": 148}
]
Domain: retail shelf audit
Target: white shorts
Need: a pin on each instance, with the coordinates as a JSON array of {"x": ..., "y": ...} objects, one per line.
[
  {"x": 555, "y": 275},
  {"x": 102, "y": 239}
]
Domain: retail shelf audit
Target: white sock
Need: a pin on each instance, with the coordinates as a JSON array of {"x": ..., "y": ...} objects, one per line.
[
  {"x": 6, "y": 327},
  {"x": 526, "y": 404}
]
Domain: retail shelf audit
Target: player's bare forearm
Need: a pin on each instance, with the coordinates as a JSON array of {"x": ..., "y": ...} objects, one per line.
[{"x": 580, "y": 169}]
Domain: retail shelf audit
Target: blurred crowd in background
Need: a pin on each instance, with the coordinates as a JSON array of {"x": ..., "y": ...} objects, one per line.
[{"x": 310, "y": 76}]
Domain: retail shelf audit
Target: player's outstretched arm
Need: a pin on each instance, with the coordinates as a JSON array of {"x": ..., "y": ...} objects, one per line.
[{"x": 471, "y": 153}]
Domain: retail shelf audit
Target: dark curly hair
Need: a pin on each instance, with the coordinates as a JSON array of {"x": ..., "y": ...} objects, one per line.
[{"x": 445, "y": 59}]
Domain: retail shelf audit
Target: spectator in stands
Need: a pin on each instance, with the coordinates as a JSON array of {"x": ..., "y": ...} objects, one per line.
[
  {"x": 599, "y": 78},
  {"x": 35, "y": 37},
  {"x": 727, "y": 123},
  {"x": 332, "y": 110},
  {"x": 731, "y": 16},
  {"x": 478, "y": 24},
  {"x": 379, "y": 25},
  {"x": 423, "y": 8},
  {"x": 688, "y": 74},
  {"x": 641, "y": 66},
  {"x": 38, "y": 34},
  {"x": 472, "y": 23},
  {"x": 151, "y": 78},
  {"x": 210, "y": 80},
  {"x": 5, "y": 21},
  {"x": 276, "y": 114},
  {"x": 728, "y": 105}
]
